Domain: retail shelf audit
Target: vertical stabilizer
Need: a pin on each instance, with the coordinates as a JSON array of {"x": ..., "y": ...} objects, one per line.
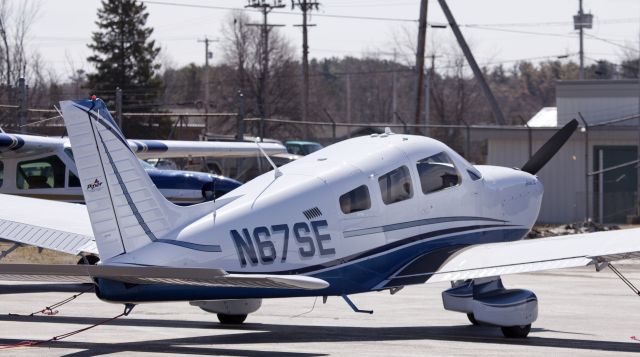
[{"x": 126, "y": 209}]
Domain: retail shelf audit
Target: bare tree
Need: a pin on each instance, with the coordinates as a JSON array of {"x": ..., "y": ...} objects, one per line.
[
  {"x": 242, "y": 49},
  {"x": 16, "y": 19}
]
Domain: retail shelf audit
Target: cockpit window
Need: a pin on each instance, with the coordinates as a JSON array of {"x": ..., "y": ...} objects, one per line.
[
  {"x": 355, "y": 200},
  {"x": 46, "y": 172},
  {"x": 437, "y": 172},
  {"x": 395, "y": 186}
]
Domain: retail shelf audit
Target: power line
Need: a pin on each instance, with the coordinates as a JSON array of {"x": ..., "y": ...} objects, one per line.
[
  {"x": 520, "y": 31},
  {"x": 198, "y": 6}
]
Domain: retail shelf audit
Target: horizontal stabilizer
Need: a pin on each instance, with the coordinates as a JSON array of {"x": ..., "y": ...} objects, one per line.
[
  {"x": 155, "y": 275},
  {"x": 59, "y": 226},
  {"x": 531, "y": 255}
]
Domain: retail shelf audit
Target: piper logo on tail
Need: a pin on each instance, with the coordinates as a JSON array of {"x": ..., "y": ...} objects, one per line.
[{"x": 96, "y": 185}]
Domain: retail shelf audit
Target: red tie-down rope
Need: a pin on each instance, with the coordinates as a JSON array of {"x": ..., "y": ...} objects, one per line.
[
  {"x": 50, "y": 310},
  {"x": 127, "y": 310}
]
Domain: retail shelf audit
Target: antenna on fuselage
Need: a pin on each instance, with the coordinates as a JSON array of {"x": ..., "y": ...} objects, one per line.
[
  {"x": 60, "y": 113},
  {"x": 213, "y": 192},
  {"x": 275, "y": 168}
]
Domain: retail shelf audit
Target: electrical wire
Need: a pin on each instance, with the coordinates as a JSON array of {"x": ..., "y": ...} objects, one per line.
[{"x": 351, "y": 17}]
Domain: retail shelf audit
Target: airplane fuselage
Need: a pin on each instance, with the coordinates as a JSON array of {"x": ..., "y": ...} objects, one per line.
[
  {"x": 369, "y": 213},
  {"x": 53, "y": 175}
]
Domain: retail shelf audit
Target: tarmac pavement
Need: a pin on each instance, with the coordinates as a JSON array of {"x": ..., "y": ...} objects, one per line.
[{"x": 581, "y": 312}]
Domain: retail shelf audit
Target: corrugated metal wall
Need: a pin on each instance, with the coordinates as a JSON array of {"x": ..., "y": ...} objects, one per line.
[{"x": 564, "y": 176}]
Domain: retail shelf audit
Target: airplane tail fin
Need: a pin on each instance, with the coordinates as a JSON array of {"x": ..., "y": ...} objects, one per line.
[{"x": 126, "y": 210}]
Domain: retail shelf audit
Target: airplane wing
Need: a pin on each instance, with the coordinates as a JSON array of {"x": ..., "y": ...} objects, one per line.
[
  {"x": 540, "y": 254},
  {"x": 16, "y": 145},
  {"x": 60, "y": 226},
  {"x": 152, "y": 149},
  {"x": 155, "y": 275}
]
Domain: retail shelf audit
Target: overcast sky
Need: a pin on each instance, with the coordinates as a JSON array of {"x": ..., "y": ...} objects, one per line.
[{"x": 499, "y": 31}]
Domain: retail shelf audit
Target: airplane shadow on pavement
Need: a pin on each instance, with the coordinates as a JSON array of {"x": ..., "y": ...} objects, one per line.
[{"x": 271, "y": 334}]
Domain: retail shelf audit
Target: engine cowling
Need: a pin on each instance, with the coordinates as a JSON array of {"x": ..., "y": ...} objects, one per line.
[{"x": 492, "y": 304}]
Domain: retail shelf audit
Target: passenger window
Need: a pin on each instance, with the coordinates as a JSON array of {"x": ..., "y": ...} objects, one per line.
[
  {"x": 395, "y": 186},
  {"x": 1, "y": 172},
  {"x": 355, "y": 200},
  {"x": 437, "y": 172},
  {"x": 47, "y": 172}
]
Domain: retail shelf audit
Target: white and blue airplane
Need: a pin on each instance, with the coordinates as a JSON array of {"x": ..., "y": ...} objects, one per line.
[
  {"x": 44, "y": 167},
  {"x": 371, "y": 213}
]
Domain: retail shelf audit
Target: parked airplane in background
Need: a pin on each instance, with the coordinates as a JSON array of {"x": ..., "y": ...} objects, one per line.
[
  {"x": 44, "y": 167},
  {"x": 367, "y": 214}
]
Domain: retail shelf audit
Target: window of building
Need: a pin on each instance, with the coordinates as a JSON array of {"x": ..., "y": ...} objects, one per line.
[
  {"x": 395, "y": 186},
  {"x": 355, "y": 200},
  {"x": 437, "y": 172},
  {"x": 46, "y": 172}
]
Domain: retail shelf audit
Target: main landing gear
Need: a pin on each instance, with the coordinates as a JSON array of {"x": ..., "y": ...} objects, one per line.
[
  {"x": 485, "y": 301},
  {"x": 226, "y": 319}
]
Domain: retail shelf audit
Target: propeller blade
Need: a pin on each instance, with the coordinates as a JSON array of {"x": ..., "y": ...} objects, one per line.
[{"x": 550, "y": 148}]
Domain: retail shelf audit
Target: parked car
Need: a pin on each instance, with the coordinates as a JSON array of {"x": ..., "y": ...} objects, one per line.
[{"x": 302, "y": 148}]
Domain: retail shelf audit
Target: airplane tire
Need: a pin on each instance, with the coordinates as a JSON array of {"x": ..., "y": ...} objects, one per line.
[
  {"x": 516, "y": 331},
  {"x": 91, "y": 259},
  {"x": 472, "y": 319},
  {"x": 231, "y": 319}
]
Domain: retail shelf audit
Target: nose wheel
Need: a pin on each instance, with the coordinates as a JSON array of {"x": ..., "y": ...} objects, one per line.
[{"x": 516, "y": 331}]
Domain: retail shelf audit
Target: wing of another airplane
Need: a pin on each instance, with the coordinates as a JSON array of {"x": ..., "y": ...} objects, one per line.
[
  {"x": 155, "y": 275},
  {"x": 540, "y": 254},
  {"x": 148, "y": 149},
  {"x": 16, "y": 145},
  {"x": 60, "y": 226}
]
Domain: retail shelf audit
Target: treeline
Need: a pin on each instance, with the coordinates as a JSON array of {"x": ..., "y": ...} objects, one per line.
[{"x": 373, "y": 89}]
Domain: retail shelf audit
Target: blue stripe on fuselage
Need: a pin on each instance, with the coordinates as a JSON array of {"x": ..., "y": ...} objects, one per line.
[{"x": 349, "y": 278}]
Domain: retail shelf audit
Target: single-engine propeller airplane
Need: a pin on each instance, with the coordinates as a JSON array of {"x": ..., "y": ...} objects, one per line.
[
  {"x": 371, "y": 213},
  {"x": 44, "y": 167}
]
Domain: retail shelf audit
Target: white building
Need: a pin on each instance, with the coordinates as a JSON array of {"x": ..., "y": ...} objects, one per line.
[{"x": 571, "y": 194}]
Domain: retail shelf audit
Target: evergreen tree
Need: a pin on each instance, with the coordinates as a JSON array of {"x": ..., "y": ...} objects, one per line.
[{"x": 124, "y": 56}]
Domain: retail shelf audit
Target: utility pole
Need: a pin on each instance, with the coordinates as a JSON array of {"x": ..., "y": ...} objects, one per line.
[
  {"x": 22, "y": 104},
  {"x": 348, "y": 83},
  {"x": 394, "y": 88},
  {"x": 497, "y": 113},
  {"x": 427, "y": 101},
  {"x": 638, "y": 150},
  {"x": 265, "y": 28},
  {"x": 582, "y": 21},
  {"x": 305, "y": 6},
  {"x": 119, "y": 106},
  {"x": 207, "y": 56},
  {"x": 422, "y": 37}
]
